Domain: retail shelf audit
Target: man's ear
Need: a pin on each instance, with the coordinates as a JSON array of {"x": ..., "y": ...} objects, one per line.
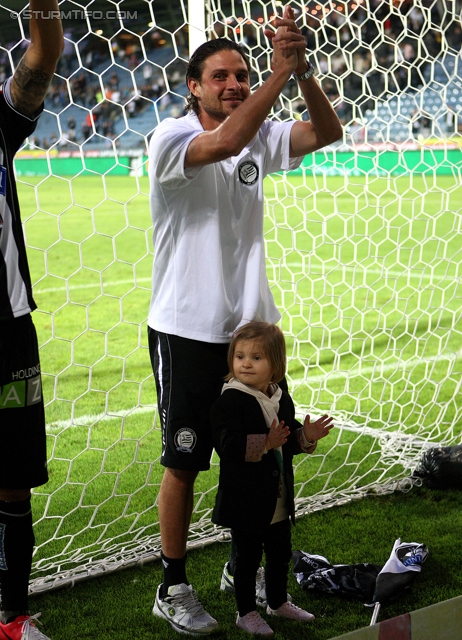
[{"x": 194, "y": 87}]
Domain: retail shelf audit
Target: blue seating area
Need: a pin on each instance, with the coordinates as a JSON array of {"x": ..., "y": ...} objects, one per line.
[
  {"x": 130, "y": 130},
  {"x": 421, "y": 111},
  {"x": 402, "y": 117}
]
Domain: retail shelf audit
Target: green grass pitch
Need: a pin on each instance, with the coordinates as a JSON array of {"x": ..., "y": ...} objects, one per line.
[{"x": 366, "y": 272}]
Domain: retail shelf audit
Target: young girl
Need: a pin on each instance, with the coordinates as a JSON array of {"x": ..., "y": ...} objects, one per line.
[{"x": 256, "y": 434}]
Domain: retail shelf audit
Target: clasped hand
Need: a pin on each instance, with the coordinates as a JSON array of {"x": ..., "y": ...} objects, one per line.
[{"x": 288, "y": 42}]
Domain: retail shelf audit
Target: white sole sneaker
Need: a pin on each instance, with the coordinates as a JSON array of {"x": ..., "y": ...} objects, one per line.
[{"x": 183, "y": 611}]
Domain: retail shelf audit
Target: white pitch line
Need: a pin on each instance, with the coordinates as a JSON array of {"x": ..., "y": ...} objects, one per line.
[
  {"x": 378, "y": 369},
  {"x": 274, "y": 265},
  {"x": 90, "y": 285},
  {"x": 359, "y": 269},
  {"x": 87, "y": 420}
]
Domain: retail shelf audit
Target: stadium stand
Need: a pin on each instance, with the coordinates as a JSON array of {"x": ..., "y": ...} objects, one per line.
[{"x": 395, "y": 90}]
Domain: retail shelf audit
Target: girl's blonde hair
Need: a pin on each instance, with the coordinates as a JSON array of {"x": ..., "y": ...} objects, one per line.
[{"x": 273, "y": 344}]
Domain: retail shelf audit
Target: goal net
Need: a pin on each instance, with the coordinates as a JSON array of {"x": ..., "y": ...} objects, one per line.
[{"x": 363, "y": 243}]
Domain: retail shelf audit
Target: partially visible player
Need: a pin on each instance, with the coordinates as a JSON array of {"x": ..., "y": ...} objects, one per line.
[{"x": 23, "y": 459}]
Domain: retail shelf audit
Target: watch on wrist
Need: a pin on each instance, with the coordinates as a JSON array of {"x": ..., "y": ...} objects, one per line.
[{"x": 308, "y": 73}]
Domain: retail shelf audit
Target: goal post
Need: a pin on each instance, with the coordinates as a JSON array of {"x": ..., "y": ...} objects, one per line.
[
  {"x": 363, "y": 245},
  {"x": 197, "y": 24}
]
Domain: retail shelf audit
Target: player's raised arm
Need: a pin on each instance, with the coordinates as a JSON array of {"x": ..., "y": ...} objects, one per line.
[
  {"x": 35, "y": 69},
  {"x": 324, "y": 126}
]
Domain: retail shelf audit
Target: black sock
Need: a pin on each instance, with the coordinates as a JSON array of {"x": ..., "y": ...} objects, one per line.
[
  {"x": 174, "y": 572},
  {"x": 16, "y": 547}
]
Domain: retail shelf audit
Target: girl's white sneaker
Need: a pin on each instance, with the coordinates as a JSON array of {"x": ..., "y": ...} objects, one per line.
[
  {"x": 289, "y": 610},
  {"x": 254, "y": 623}
]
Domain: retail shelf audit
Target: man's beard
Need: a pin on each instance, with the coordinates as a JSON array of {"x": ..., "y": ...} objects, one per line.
[{"x": 216, "y": 113}]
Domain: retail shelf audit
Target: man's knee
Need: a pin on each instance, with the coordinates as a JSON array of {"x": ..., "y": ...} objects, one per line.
[{"x": 180, "y": 476}]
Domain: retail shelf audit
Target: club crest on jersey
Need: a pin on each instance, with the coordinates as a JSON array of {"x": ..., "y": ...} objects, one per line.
[
  {"x": 185, "y": 440},
  {"x": 248, "y": 172}
]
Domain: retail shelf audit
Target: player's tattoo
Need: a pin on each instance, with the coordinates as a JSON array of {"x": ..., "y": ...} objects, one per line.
[{"x": 29, "y": 88}]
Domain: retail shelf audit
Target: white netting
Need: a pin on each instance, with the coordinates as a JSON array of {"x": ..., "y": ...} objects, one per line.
[{"x": 364, "y": 256}]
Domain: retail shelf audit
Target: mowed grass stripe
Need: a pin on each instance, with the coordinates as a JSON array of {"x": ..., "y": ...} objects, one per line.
[
  {"x": 370, "y": 371},
  {"x": 291, "y": 265}
]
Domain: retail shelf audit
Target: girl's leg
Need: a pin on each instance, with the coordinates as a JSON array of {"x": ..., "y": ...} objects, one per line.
[
  {"x": 249, "y": 548},
  {"x": 278, "y": 550},
  {"x": 232, "y": 557}
]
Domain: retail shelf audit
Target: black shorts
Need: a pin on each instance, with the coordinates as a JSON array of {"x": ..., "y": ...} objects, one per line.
[
  {"x": 23, "y": 458},
  {"x": 189, "y": 377}
]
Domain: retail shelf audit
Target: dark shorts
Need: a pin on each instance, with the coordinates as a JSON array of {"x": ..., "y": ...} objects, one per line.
[
  {"x": 189, "y": 377},
  {"x": 23, "y": 458}
]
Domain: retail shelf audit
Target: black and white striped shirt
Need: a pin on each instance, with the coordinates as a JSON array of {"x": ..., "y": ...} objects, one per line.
[{"x": 15, "y": 284}]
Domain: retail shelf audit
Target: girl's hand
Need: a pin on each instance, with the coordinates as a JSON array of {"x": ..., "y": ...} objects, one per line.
[
  {"x": 314, "y": 431},
  {"x": 277, "y": 435}
]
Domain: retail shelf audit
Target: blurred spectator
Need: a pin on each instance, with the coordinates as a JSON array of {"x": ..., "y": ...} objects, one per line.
[
  {"x": 88, "y": 125},
  {"x": 71, "y": 125},
  {"x": 58, "y": 94},
  {"x": 94, "y": 95},
  {"x": 85, "y": 130},
  {"x": 113, "y": 82},
  {"x": 165, "y": 102},
  {"x": 91, "y": 119},
  {"x": 115, "y": 96},
  {"x": 176, "y": 111},
  {"x": 134, "y": 103},
  {"x": 34, "y": 143},
  {"x": 415, "y": 19},
  {"x": 89, "y": 60},
  {"x": 133, "y": 61},
  {"x": 453, "y": 121},
  {"x": 79, "y": 89},
  {"x": 63, "y": 140},
  {"x": 147, "y": 73},
  {"x": 107, "y": 128}
]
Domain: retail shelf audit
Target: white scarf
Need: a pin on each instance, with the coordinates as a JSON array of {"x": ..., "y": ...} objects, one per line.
[{"x": 269, "y": 406}]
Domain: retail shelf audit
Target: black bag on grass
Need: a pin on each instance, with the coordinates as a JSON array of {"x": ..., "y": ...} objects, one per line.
[
  {"x": 441, "y": 468},
  {"x": 353, "y": 580}
]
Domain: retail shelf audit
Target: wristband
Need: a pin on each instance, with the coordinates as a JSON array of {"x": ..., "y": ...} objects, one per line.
[{"x": 308, "y": 73}]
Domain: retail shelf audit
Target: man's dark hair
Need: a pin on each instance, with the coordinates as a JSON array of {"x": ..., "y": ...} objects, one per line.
[{"x": 200, "y": 55}]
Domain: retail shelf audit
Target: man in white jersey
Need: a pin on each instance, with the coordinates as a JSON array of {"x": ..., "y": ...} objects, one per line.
[
  {"x": 206, "y": 173},
  {"x": 22, "y": 422}
]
